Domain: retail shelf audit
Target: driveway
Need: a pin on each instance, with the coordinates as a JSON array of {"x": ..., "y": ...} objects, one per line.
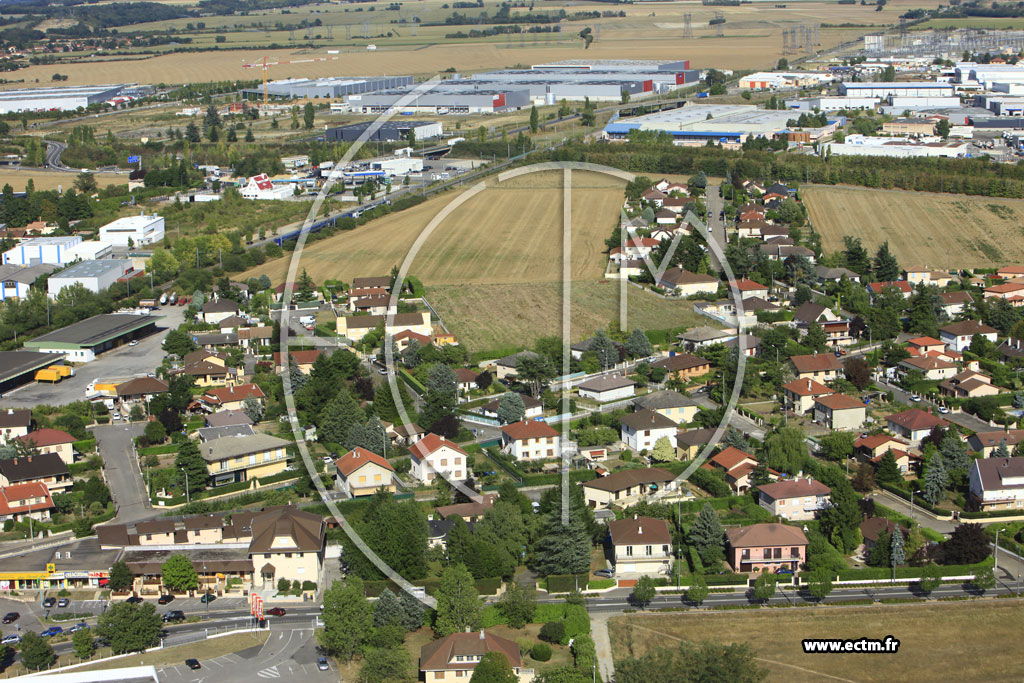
[{"x": 116, "y": 446}]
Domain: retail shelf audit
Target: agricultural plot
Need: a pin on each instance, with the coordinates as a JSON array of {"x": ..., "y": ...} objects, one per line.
[
  {"x": 935, "y": 640},
  {"x": 923, "y": 229},
  {"x": 51, "y": 180}
]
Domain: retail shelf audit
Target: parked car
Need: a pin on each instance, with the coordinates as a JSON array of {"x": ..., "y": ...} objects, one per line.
[
  {"x": 11, "y": 617},
  {"x": 133, "y": 342},
  {"x": 174, "y": 615},
  {"x": 52, "y": 631},
  {"x": 605, "y": 573},
  {"x": 915, "y": 398},
  {"x": 63, "y": 602},
  {"x": 11, "y": 639},
  {"x": 193, "y": 664},
  {"x": 133, "y": 600},
  {"x": 943, "y": 410},
  {"x": 783, "y": 570},
  {"x": 321, "y": 663},
  {"x": 80, "y": 626},
  {"x": 164, "y": 599},
  {"x": 49, "y": 602},
  {"x": 276, "y": 612},
  {"x": 207, "y": 598}
]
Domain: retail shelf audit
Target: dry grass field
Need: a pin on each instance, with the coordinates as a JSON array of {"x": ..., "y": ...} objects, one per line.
[
  {"x": 962, "y": 641},
  {"x": 923, "y": 229},
  {"x": 50, "y": 180}
]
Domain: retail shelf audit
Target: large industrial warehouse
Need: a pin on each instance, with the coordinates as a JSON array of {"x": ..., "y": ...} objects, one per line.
[
  {"x": 291, "y": 88},
  {"x": 81, "y": 342},
  {"x": 445, "y": 98},
  {"x": 389, "y": 131},
  {"x": 697, "y": 124},
  {"x": 66, "y": 99}
]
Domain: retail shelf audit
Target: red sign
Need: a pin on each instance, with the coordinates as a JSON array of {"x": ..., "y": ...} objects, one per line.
[
  {"x": 680, "y": 78},
  {"x": 648, "y": 86},
  {"x": 498, "y": 101}
]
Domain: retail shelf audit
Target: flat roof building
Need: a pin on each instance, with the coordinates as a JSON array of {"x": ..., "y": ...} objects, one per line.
[
  {"x": 136, "y": 231},
  {"x": 389, "y": 131},
  {"x": 67, "y": 99},
  {"x": 699, "y": 123},
  {"x": 448, "y": 97},
  {"x": 861, "y": 145},
  {"x": 18, "y": 368},
  {"x": 902, "y": 89},
  {"x": 83, "y": 341},
  {"x": 332, "y": 88},
  {"x": 93, "y": 275}
]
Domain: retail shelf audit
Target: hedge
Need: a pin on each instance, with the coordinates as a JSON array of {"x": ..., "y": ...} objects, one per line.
[
  {"x": 990, "y": 514},
  {"x": 918, "y": 500},
  {"x": 166, "y": 449},
  {"x": 727, "y": 579},
  {"x": 874, "y": 573},
  {"x": 566, "y": 583},
  {"x": 556, "y": 477},
  {"x": 77, "y": 468},
  {"x": 696, "y": 564},
  {"x": 85, "y": 446},
  {"x": 283, "y": 475}
]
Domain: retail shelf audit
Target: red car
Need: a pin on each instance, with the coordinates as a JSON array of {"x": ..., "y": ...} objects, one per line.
[{"x": 275, "y": 612}]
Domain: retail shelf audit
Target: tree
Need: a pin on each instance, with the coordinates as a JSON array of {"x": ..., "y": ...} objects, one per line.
[
  {"x": 897, "y": 556},
  {"x": 534, "y": 369},
  {"x": 707, "y": 536},
  {"x": 1002, "y": 451},
  {"x": 253, "y": 409},
  {"x": 879, "y": 556},
  {"x": 643, "y": 591},
  {"x": 178, "y": 342},
  {"x": 412, "y": 612},
  {"x": 734, "y": 438},
  {"x": 935, "y": 479},
  {"x": 442, "y": 395},
  {"x": 562, "y": 549},
  {"x": 692, "y": 663},
  {"x": 638, "y": 345},
  {"x": 942, "y": 128},
  {"x": 856, "y": 256},
  {"x": 764, "y": 586},
  {"x": 930, "y": 579},
  {"x": 888, "y": 471},
  {"x": 385, "y": 665},
  {"x": 864, "y": 477},
  {"x": 534, "y": 119},
  {"x": 155, "y": 432},
  {"x": 511, "y": 408},
  {"x": 121, "y": 577},
  {"x": 493, "y": 667},
  {"x": 307, "y": 115},
  {"x": 886, "y": 267},
  {"x": 966, "y": 545},
  {"x": 85, "y": 182},
  {"x": 815, "y": 339},
  {"x": 129, "y": 627},
  {"x": 483, "y": 380},
  {"x": 517, "y": 605},
  {"x": 837, "y": 446},
  {"x": 604, "y": 349},
  {"x": 192, "y": 132},
  {"x": 249, "y": 137},
  {"x": 698, "y": 591},
  {"x": 179, "y": 574},
  {"x": 347, "y": 618},
  {"x": 663, "y": 450},
  {"x": 387, "y": 611},
  {"x": 858, "y": 371},
  {"x": 984, "y": 579},
  {"x": 83, "y": 643},
  {"x": 35, "y": 652},
  {"x": 189, "y": 460},
  {"x": 819, "y": 583},
  {"x": 458, "y": 604}
]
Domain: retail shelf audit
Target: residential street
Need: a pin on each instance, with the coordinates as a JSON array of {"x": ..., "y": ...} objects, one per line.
[
  {"x": 115, "y": 444},
  {"x": 964, "y": 420}
]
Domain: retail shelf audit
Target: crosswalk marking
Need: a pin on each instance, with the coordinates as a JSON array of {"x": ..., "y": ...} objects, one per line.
[{"x": 269, "y": 672}]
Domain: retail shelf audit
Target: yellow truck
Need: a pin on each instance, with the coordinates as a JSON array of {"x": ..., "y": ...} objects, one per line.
[{"x": 54, "y": 373}]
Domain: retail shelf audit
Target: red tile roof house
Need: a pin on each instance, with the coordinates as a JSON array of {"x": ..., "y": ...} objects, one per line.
[
  {"x": 738, "y": 466},
  {"x": 22, "y": 501},
  {"x": 876, "y": 288},
  {"x": 748, "y": 288},
  {"x": 531, "y": 440},
  {"x": 958, "y": 335},
  {"x": 798, "y": 396},
  {"x": 969, "y": 384},
  {"x": 997, "y": 484},
  {"x": 795, "y": 499},
  {"x": 52, "y": 441},
  {"x": 231, "y": 398},
  {"x": 403, "y": 338},
  {"x": 931, "y": 368},
  {"x": 433, "y": 455},
  {"x": 453, "y": 658},
  {"x": 823, "y": 367},
  {"x": 302, "y": 359},
  {"x": 363, "y": 473},
  {"x": 924, "y": 345},
  {"x": 873, "y": 448},
  {"x": 839, "y": 411},
  {"x": 913, "y": 424},
  {"x": 641, "y": 545},
  {"x": 766, "y": 546}
]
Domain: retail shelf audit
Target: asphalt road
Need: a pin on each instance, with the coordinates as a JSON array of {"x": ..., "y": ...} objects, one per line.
[
  {"x": 965, "y": 420},
  {"x": 115, "y": 443},
  {"x": 714, "y": 205},
  {"x": 53, "y": 151}
]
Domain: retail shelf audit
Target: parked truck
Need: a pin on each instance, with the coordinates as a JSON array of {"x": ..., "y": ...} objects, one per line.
[{"x": 54, "y": 373}]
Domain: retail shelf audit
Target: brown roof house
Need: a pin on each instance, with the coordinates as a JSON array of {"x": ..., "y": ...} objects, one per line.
[
  {"x": 823, "y": 367},
  {"x": 839, "y": 411},
  {"x": 14, "y": 423},
  {"x": 684, "y": 283},
  {"x": 642, "y": 429},
  {"x": 683, "y": 366},
  {"x": 453, "y": 658},
  {"x": 641, "y": 545},
  {"x": 997, "y": 484},
  {"x": 795, "y": 499},
  {"x": 766, "y": 547},
  {"x": 624, "y": 487}
]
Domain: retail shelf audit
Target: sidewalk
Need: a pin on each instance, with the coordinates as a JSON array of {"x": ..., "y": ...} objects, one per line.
[{"x": 603, "y": 645}]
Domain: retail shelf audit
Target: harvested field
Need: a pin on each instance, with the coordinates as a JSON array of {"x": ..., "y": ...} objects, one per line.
[
  {"x": 49, "y": 180},
  {"x": 495, "y": 317},
  {"x": 923, "y": 229},
  {"x": 509, "y": 233},
  {"x": 937, "y": 641}
]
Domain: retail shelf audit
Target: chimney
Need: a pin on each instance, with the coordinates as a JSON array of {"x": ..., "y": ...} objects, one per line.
[
  {"x": 482, "y": 634},
  {"x": 29, "y": 458},
  {"x": 808, "y": 384},
  {"x": 469, "y": 630},
  {"x": 640, "y": 530},
  {"x": 10, "y": 411}
]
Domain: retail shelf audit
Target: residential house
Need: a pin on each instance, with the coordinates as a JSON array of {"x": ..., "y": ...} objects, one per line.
[
  {"x": 211, "y": 433},
  {"x": 641, "y": 430},
  {"x": 799, "y": 395},
  {"x": 607, "y": 388},
  {"x": 287, "y": 543},
  {"x": 751, "y": 344},
  {"x": 653, "y": 196},
  {"x": 254, "y": 337},
  {"x": 760, "y": 547},
  {"x": 958, "y": 335},
  {"x": 774, "y": 232},
  {"x": 635, "y": 247},
  {"x": 902, "y": 286},
  {"x": 624, "y": 487},
  {"x": 534, "y": 408},
  {"x": 913, "y": 424},
  {"x": 45, "y": 468},
  {"x": 676, "y": 205},
  {"x": 927, "y": 276},
  {"x": 373, "y": 282},
  {"x": 969, "y": 384},
  {"x": 777, "y": 251},
  {"x": 748, "y": 288},
  {"x": 226, "y": 418},
  {"x": 1011, "y": 349},
  {"x": 408, "y": 434},
  {"x": 823, "y": 367},
  {"x": 433, "y": 455},
  {"x": 231, "y": 324},
  {"x": 953, "y": 303},
  {"x": 1012, "y": 291},
  {"x": 215, "y": 311},
  {"x": 507, "y": 366},
  {"x": 795, "y": 499},
  {"x": 641, "y": 545},
  {"x": 363, "y": 473},
  {"x": 997, "y": 484},
  {"x": 356, "y": 327},
  {"x": 531, "y": 440},
  {"x": 404, "y": 338},
  {"x": 453, "y": 658},
  {"x": 14, "y": 423},
  {"x": 683, "y": 366},
  {"x": 923, "y": 346},
  {"x": 232, "y": 398},
  {"x": 872, "y": 527},
  {"x": 677, "y": 407},
  {"x": 826, "y": 274},
  {"x": 665, "y": 217},
  {"x": 930, "y": 367},
  {"x": 738, "y": 467},
  {"x": 303, "y": 359},
  {"x": 987, "y": 443},
  {"x": 51, "y": 441},
  {"x": 232, "y": 459},
  {"x": 691, "y": 442},
  {"x": 581, "y": 347},
  {"x": 752, "y": 229},
  {"x": 140, "y": 390},
  {"x": 208, "y": 368},
  {"x": 872, "y": 448},
  {"x": 470, "y": 512},
  {"x": 22, "y": 501},
  {"x": 1010, "y": 272},
  {"x": 684, "y": 283},
  {"x": 377, "y": 304},
  {"x": 840, "y": 412},
  {"x": 696, "y": 337}
]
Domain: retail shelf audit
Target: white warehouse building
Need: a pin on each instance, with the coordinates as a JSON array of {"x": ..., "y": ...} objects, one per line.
[
  {"x": 898, "y": 89},
  {"x": 55, "y": 250},
  {"x": 67, "y": 99},
  {"x": 141, "y": 230},
  {"x": 860, "y": 145},
  {"x": 93, "y": 275}
]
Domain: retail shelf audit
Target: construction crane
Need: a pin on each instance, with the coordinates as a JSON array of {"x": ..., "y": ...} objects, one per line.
[{"x": 264, "y": 68}]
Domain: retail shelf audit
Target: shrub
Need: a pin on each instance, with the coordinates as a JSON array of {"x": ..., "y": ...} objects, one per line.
[
  {"x": 283, "y": 585},
  {"x": 553, "y": 631},
  {"x": 541, "y": 652},
  {"x": 309, "y": 585},
  {"x": 577, "y": 622}
]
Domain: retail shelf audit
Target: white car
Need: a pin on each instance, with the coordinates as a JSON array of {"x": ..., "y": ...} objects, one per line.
[
  {"x": 12, "y": 639},
  {"x": 915, "y": 398},
  {"x": 133, "y": 342},
  {"x": 943, "y": 410}
]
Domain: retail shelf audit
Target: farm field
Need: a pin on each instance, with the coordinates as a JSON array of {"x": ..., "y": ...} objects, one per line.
[
  {"x": 1007, "y": 23},
  {"x": 504, "y": 316},
  {"x": 936, "y": 640},
  {"x": 509, "y": 233},
  {"x": 49, "y": 180},
  {"x": 923, "y": 229}
]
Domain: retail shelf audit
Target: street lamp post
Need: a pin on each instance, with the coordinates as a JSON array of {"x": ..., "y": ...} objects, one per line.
[
  {"x": 188, "y": 496},
  {"x": 911, "y": 504},
  {"x": 995, "y": 565}
]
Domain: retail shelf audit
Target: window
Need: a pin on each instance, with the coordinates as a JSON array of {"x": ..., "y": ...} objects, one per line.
[
  {"x": 648, "y": 549},
  {"x": 288, "y": 556},
  {"x": 438, "y": 675},
  {"x": 782, "y": 503},
  {"x": 778, "y": 553},
  {"x": 252, "y": 459},
  {"x": 745, "y": 555},
  {"x": 794, "y": 552},
  {"x": 362, "y": 478},
  {"x": 376, "y": 477},
  {"x": 551, "y": 452},
  {"x": 266, "y": 556},
  {"x": 444, "y": 462},
  {"x": 767, "y": 553},
  {"x": 149, "y": 537},
  {"x": 460, "y": 674},
  {"x": 458, "y": 658},
  {"x": 629, "y": 551},
  {"x": 457, "y": 461}
]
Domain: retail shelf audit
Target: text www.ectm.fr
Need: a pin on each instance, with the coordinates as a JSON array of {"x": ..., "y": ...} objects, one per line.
[{"x": 855, "y": 645}]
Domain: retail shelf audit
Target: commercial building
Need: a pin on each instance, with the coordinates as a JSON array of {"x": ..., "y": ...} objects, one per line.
[
  {"x": 95, "y": 276},
  {"x": 81, "y": 342},
  {"x": 51, "y": 249},
  {"x": 141, "y": 230},
  {"x": 331, "y": 88},
  {"x": 861, "y": 145},
  {"x": 66, "y": 99},
  {"x": 831, "y": 103},
  {"x": 17, "y": 281},
  {"x": 772, "y": 80},
  {"x": 389, "y": 131},
  {"x": 899, "y": 89},
  {"x": 262, "y": 187},
  {"x": 448, "y": 97},
  {"x": 18, "y": 368},
  {"x": 697, "y": 124}
]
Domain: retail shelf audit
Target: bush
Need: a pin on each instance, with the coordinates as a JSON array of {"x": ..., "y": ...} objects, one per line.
[
  {"x": 309, "y": 585},
  {"x": 566, "y": 583},
  {"x": 552, "y": 632},
  {"x": 541, "y": 652},
  {"x": 577, "y": 622},
  {"x": 283, "y": 585}
]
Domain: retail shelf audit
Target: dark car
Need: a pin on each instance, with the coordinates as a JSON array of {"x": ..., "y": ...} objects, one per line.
[
  {"x": 164, "y": 599},
  {"x": 276, "y": 612},
  {"x": 193, "y": 664},
  {"x": 11, "y": 617},
  {"x": 174, "y": 615},
  {"x": 207, "y": 598},
  {"x": 783, "y": 570},
  {"x": 49, "y": 602},
  {"x": 133, "y": 600}
]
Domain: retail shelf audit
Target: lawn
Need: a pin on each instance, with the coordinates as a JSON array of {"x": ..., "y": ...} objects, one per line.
[
  {"x": 959, "y": 231},
  {"x": 936, "y": 640}
]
